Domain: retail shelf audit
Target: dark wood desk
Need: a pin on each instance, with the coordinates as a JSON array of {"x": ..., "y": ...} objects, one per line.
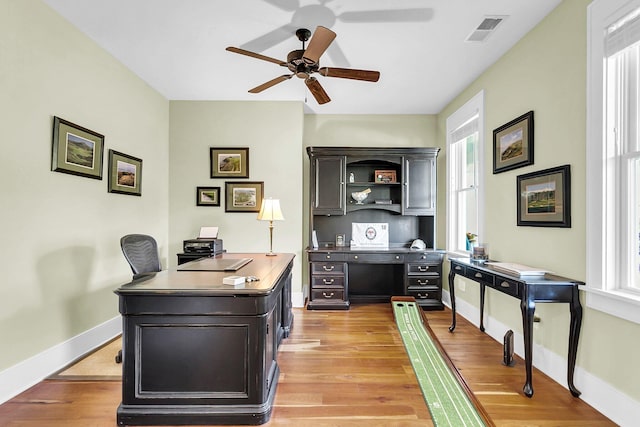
[
  {"x": 549, "y": 288},
  {"x": 197, "y": 351}
]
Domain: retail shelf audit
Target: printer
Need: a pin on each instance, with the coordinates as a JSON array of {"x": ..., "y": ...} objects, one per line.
[{"x": 204, "y": 246}]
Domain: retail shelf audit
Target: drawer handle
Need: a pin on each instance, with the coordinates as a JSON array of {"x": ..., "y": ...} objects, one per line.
[
  {"x": 424, "y": 257},
  {"x": 328, "y": 268},
  {"x": 423, "y": 268},
  {"x": 478, "y": 275},
  {"x": 420, "y": 282},
  {"x": 505, "y": 284},
  {"x": 355, "y": 257},
  {"x": 397, "y": 257},
  {"x": 326, "y": 295},
  {"x": 328, "y": 256},
  {"x": 458, "y": 268},
  {"x": 423, "y": 296},
  {"x": 328, "y": 281}
]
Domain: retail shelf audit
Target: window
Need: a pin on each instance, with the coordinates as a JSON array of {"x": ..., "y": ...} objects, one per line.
[
  {"x": 613, "y": 158},
  {"x": 464, "y": 175}
]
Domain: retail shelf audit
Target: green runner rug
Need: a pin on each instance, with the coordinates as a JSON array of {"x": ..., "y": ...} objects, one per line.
[{"x": 448, "y": 400}]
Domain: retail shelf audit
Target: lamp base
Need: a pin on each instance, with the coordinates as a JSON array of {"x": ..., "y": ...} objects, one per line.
[{"x": 271, "y": 254}]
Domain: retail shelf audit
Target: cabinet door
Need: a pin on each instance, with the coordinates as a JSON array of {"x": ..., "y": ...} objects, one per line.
[
  {"x": 419, "y": 196},
  {"x": 329, "y": 185}
]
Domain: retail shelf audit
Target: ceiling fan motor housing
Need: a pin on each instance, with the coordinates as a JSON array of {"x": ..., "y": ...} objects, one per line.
[{"x": 298, "y": 66}]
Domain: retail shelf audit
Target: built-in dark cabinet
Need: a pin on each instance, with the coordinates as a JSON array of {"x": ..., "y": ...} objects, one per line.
[
  {"x": 328, "y": 195},
  {"x": 401, "y": 185},
  {"x": 420, "y": 185}
]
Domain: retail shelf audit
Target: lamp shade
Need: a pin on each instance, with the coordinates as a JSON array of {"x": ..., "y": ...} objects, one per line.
[{"x": 270, "y": 210}]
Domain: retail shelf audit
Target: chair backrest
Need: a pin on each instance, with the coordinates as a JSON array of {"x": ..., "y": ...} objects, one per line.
[{"x": 141, "y": 251}]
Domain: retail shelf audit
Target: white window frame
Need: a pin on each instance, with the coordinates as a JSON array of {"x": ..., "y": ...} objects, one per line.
[
  {"x": 475, "y": 106},
  {"x": 602, "y": 294}
]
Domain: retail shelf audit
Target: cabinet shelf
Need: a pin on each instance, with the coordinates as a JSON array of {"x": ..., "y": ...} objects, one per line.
[
  {"x": 371, "y": 183},
  {"x": 394, "y": 207}
]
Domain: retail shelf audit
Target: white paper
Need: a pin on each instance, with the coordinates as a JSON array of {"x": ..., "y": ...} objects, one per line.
[
  {"x": 370, "y": 235},
  {"x": 208, "y": 233},
  {"x": 314, "y": 239}
]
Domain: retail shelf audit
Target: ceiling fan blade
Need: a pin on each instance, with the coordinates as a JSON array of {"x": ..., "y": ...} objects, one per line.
[
  {"x": 270, "y": 83},
  {"x": 256, "y": 55},
  {"x": 316, "y": 90},
  {"x": 350, "y": 73},
  {"x": 319, "y": 42},
  {"x": 397, "y": 15}
]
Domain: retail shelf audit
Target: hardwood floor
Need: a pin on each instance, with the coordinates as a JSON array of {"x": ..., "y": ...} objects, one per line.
[{"x": 344, "y": 368}]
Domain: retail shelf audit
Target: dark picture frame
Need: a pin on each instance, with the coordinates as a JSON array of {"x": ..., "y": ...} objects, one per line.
[
  {"x": 544, "y": 198},
  {"x": 229, "y": 162},
  {"x": 243, "y": 196},
  {"x": 208, "y": 196},
  {"x": 513, "y": 144},
  {"x": 125, "y": 174},
  {"x": 76, "y": 150}
]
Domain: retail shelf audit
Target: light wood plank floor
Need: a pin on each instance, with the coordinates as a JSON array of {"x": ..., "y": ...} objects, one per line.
[{"x": 343, "y": 368}]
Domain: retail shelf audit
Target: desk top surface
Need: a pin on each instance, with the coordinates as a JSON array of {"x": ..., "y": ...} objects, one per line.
[
  {"x": 548, "y": 279},
  {"x": 201, "y": 280}
]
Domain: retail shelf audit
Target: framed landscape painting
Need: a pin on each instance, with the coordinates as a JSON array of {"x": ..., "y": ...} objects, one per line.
[
  {"x": 76, "y": 150},
  {"x": 125, "y": 174},
  {"x": 229, "y": 162},
  {"x": 513, "y": 144},
  {"x": 208, "y": 196},
  {"x": 544, "y": 198},
  {"x": 243, "y": 196}
]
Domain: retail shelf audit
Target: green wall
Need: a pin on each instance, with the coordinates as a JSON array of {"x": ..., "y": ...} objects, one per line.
[
  {"x": 546, "y": 72},
  {"x": 273, "y": 133},
  {"x": 60, "y": 250}
]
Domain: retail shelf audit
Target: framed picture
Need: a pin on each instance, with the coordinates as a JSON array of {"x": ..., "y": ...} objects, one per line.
[
  {"x": 76, "y": 150},
  {"x": 125, "y": 174},
  {"x": 229, "y": 162},
  {"x": 544, "y": 198},
  {"x": 341, "y": 240},
  {"x": 513, "y": 144},
  {"x": 243, "y": 196},
  {"x": 208, "y": 196},
  {"x": 385, "y": 176}
]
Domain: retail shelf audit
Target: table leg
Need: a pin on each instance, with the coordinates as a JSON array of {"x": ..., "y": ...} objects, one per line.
[
  {"x": 452, "y": 293},
  {"x": 482, "y": 289},
  {"x": 574, "y": 334},
  {"x": 528, "y": 307}
]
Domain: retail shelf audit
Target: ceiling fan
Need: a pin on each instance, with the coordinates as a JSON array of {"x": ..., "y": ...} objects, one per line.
[{"x": 304, "y": 62}]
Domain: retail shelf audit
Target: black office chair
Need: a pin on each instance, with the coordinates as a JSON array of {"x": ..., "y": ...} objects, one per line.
[{"x": 141, "y": 252}]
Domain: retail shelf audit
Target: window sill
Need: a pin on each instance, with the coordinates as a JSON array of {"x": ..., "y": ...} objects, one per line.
[{"x": 624, "y": 305}]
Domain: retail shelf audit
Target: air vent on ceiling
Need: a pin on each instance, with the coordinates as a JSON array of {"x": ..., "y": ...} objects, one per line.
[{"x": 486, "y": 28}]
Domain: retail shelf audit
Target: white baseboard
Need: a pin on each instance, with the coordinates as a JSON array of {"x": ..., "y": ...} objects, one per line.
[
  {"x": 611, "y": 402},
  {"x": 297, "y": 299},
  {"x": 29, "y": 372}
]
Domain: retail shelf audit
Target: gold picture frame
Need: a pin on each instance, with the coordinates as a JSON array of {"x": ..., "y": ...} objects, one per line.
[{"x": 230, "y": 162}]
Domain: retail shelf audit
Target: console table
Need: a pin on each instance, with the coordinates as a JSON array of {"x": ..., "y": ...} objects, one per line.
[
  {"x": 529, "y": 290},
  {"x": 197, "y": 351}
]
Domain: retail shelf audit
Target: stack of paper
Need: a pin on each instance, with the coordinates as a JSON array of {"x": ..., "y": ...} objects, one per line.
[{"x": 516, "y": 269}]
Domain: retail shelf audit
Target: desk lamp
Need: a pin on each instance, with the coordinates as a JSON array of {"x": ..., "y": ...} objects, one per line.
[{"x": 270, "y": 211}]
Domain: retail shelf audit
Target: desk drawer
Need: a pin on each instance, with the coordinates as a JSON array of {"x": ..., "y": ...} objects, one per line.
[
  {"x": 421, "y": 294},
  {"x": 326, "y": 256},
  {"x": 328, "y": 268},
  {"x": 327, "y": 281},
  {"x": 429, "y": 257},
  {"x": 421, "y": 268},
  {"x": 459, "y": 269},
  {"x": 423, "y": 281},
  {"x": 327, "y": 294},
  {"x": 376, "y": 258},
  {"x": 507, "y": 286},
  {"x": 478, "y": 276}
]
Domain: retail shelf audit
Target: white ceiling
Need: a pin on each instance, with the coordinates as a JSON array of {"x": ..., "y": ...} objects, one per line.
[{"x": 178, "y": 46}]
